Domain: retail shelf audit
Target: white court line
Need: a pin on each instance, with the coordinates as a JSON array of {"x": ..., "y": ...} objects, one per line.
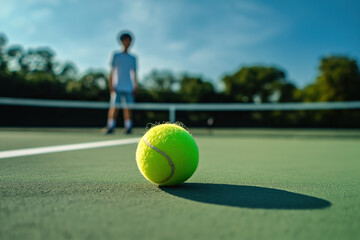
[{"x": 63, "y": 148}]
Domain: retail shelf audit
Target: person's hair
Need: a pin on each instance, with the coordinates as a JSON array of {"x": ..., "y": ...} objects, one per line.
[{"x": 124, "y": 35}]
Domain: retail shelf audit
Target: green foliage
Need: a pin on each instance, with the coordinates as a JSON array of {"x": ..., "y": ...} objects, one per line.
[
  {"x": 3, "y": 63},
  {"x": 161, "y": 86},
  {"x": 162, "y": 81},
  {"x": 287, "y": 92},
  {"x": 38, "y": 60},
  {"x": 194, "y": 89},
  {"x": 338, "y": 80},
  {"x": 91, "y": 86},
  {"x": 68, "y": 71},
  {"x": 34, "y": 73},
  {"x": 256, "y": 84}
]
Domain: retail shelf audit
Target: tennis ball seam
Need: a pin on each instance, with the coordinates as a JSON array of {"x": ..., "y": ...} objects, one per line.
[{"x": 172, "y": 166}]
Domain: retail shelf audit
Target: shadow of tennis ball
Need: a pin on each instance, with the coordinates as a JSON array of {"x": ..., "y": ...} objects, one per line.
[{"x": 245, "y": 196}]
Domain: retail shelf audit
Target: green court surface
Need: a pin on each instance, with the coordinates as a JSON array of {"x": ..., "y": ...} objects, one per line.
[{"x": 250, "y": 184}]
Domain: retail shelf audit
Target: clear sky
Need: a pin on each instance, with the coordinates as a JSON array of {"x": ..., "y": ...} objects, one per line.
[{"x": 207, "y": 37}]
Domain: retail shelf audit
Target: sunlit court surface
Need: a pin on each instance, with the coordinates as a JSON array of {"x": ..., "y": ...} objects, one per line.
[{"x": 250, "y": 184}]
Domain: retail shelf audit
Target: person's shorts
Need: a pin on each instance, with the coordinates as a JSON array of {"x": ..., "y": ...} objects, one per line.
[{"x": 123, "y": 98}]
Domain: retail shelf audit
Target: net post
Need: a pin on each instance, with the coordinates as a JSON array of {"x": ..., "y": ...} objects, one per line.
[{"x": 172, "y": 113}]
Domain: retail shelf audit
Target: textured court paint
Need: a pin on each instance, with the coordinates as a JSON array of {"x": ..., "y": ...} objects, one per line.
[
  {"x": 99, "y": 193},
  {"x": 175, "y": 142}
]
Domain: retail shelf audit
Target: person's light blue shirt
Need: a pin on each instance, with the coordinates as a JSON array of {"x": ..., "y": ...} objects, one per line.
[{"x": 124, "y": 65}]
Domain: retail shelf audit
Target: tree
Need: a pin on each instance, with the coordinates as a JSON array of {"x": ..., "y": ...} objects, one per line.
[
  {"x": 38, "y": 60},
  {"x": 91, "y": 86},
  {"x": 287, "y": 92},
  {"x": 67, "y": 72},
  {"x": 3, "y": 62},
  {"x": 44, "y": 85},
  {"x": 162, "y": 86},
  {"x": 338, "y": 80},
  {"x": 163, "y": 80},
  {"x": 14, "y": 54},
  {"x": 255, "y": 84},
  {"x": 194, "y": 89}
]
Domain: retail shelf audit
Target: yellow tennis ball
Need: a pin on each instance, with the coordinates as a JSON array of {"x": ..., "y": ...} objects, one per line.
[{"x": 167, "y": 155}]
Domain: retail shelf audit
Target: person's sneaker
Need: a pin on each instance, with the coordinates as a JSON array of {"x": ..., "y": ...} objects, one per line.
[
  {"x": 128, "y": 130},
  {"x": 110, "y": 131}
]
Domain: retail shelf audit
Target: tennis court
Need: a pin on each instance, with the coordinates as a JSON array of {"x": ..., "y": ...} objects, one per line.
[{"x": 250, "y": 184}]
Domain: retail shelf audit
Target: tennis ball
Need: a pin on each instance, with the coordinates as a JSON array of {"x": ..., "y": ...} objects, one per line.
[{"x": 167, "y": 155}]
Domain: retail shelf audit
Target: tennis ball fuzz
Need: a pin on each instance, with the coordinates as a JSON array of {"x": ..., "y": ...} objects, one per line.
[{"x": 167, "y": 155}]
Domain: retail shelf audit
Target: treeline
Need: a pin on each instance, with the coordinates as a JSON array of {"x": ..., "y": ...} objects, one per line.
[{"x": 35, "y": 73}]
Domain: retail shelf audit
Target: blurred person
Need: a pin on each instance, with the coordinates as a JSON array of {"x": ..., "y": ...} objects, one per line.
[{"x": 122, "y": 84}]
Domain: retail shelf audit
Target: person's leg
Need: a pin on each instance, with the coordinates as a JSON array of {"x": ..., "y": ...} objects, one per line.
[
  {"x": 129, "y": 99},
  {"x": 127, "y": 118},
  {"x": 127, "y": 114},
  {"x": 112, "y": 113}
]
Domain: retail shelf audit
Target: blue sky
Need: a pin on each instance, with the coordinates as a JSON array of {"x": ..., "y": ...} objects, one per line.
[{"x": 204, "y": 37}]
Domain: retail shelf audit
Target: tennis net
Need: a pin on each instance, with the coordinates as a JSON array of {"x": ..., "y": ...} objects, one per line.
[{"x": 23, "y": 111}]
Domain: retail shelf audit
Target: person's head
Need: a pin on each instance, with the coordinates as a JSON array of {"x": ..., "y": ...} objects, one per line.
[{"x": 125, "y": 39}]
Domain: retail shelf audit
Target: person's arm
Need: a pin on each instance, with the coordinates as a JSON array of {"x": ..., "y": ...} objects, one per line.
[
  {"x": 135, "y": 84},
  {"x": 111, "y": 87},
  {"x": 134, "y": 78}
]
